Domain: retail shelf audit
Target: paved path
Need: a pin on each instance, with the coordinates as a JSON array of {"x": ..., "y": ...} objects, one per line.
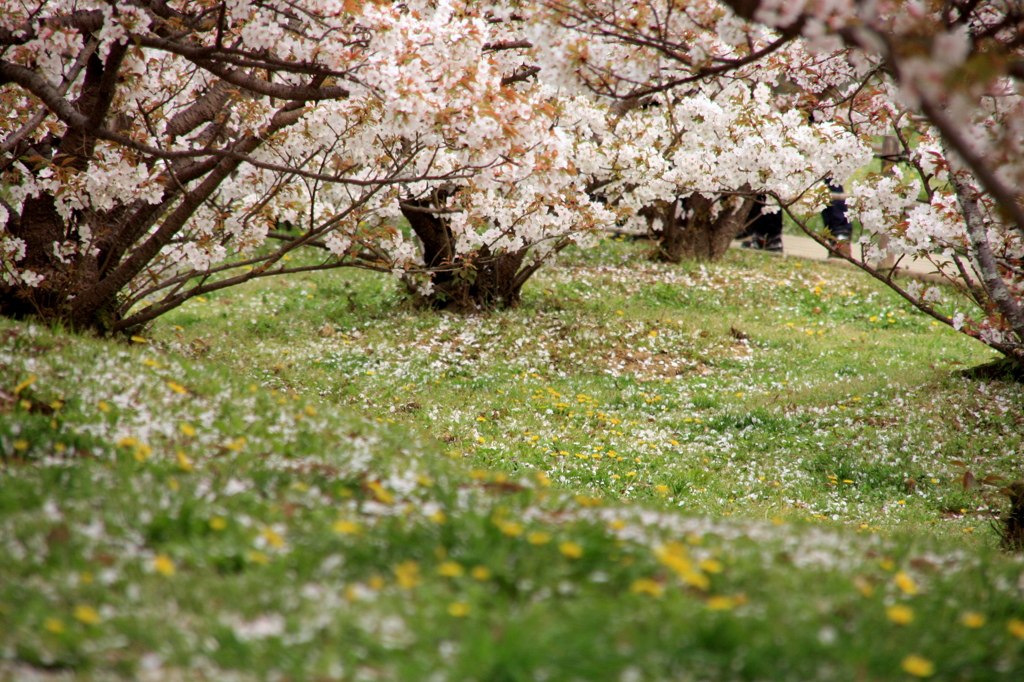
[{"x": 805, "y": 247}]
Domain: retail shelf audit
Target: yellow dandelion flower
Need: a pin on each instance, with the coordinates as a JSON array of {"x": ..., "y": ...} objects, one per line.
[
  {"x": 187, "y": 429},
  {"x": 458, "y": 609},
  {"x": 163, "y": 565},
  {"x": 1016, "y": 628},
  {"x": 711, "y": 566},
  {"x": 450, "y": 569},
  {"x": 407, "y": 574},
  {"x": 905, "y": 583},
  {"x": 647, "y": 586},
  {"x": 382, "y": 495},
  {"x": 900, "y": 614},
  {"x": 543, "y": 479},
  {"x": 21, "y": 445},
  {"x": 570, "y": 549},
  {"x": 481, "y": 573},
  {"x": 538, "y": 538},
  {"x": 54, "y": 625},
  {"x": 973, "y": 619},
  {"x": 509, "y": 528},
  {"x": 218, "y": 523},
  {"x": 438, "y": 517},
  {"x": 257, "y": 557},
  {"x": 918, "y": 666},
  {"x": 273, "y": 538},
  {"x": 345, "y": 527},
  {"x": 184, "y": 463},
  {"x": 720, "y": 603},
  {"x": 176, "y": 387},
  {"x": 87, "y": 615}
]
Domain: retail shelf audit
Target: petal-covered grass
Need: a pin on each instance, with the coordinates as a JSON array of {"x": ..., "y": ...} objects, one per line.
[{"x": 645, "y": 472}]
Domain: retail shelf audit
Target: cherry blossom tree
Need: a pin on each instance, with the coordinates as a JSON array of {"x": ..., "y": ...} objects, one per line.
[
  {"x": 944, "y": 78},
  {"x": 154, "y": 151}
]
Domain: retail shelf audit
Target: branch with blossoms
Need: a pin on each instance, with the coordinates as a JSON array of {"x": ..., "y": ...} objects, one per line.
[
  {"x": 954, "y": 65},
  {"x": 156, "y": 149}
]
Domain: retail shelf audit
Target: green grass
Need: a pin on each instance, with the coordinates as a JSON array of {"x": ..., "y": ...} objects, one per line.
[{"x": 313, "y": 479}]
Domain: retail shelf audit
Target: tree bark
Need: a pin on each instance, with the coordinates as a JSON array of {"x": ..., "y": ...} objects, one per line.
[
  {"x": 690, "y": 231},
  {"x": 479, "y": 281}
]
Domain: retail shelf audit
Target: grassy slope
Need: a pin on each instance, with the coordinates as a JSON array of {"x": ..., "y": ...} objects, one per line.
[{"x": 612, "y": 486}]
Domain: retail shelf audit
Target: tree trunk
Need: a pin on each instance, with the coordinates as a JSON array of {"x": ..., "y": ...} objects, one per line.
[
  {"x": 690, "y": 231},
  {"x": 478, "y": 281}
]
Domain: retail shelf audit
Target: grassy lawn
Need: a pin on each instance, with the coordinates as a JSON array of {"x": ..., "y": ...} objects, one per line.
[{"x": 748, "y": 470}]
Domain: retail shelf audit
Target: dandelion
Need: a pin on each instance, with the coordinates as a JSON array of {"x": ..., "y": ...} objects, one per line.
[
  {"x": 538, "y": 538},
  {"x": 218, "y": 523},
  {"x": 509, "y": 528},
  {"x": 87, "y": 615},
  {"x": 900, "y": 614},
  {"x": 918, "y": 666},
  {"x": 407, "y": 574},
  {"x": 163, "y": 565},
  {"x": 484, "y": 573},
  {"x": 450, "y": 569},
  {"x": 905, "y": 583},
  {"x": 273, "y": 538},
  {"x": 458, "y": 609},
  {"x": 570, "y": 549},
  {"x": 382, "y": 495},
  {"x": 720, "y": 603},
  {"x": 973, "y": 619},
  {"x": 184, "y": 463},
  {"x": 21, "y": 445},
  {"x": 187, "y": 429},
  {"x": 1016, "y": 628},
  {"x": 176, "y": 387},
  {"x": 345, "y": 527},
  {"x": 647, "y": 586},
  {"x": 438, "y": 517},
  {"x": 54, "y": 625},
  {"x": 103, "y": 406},
  {"x": 711, "y": 566}
]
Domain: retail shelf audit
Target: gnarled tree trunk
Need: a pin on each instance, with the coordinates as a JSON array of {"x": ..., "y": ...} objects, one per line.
[
  {"x": 477, "y": 281},
  {"x": 689, "y": 230}
]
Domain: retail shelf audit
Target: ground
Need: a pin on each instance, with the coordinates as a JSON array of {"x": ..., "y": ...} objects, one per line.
[{"x": 643, "y": 472}]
